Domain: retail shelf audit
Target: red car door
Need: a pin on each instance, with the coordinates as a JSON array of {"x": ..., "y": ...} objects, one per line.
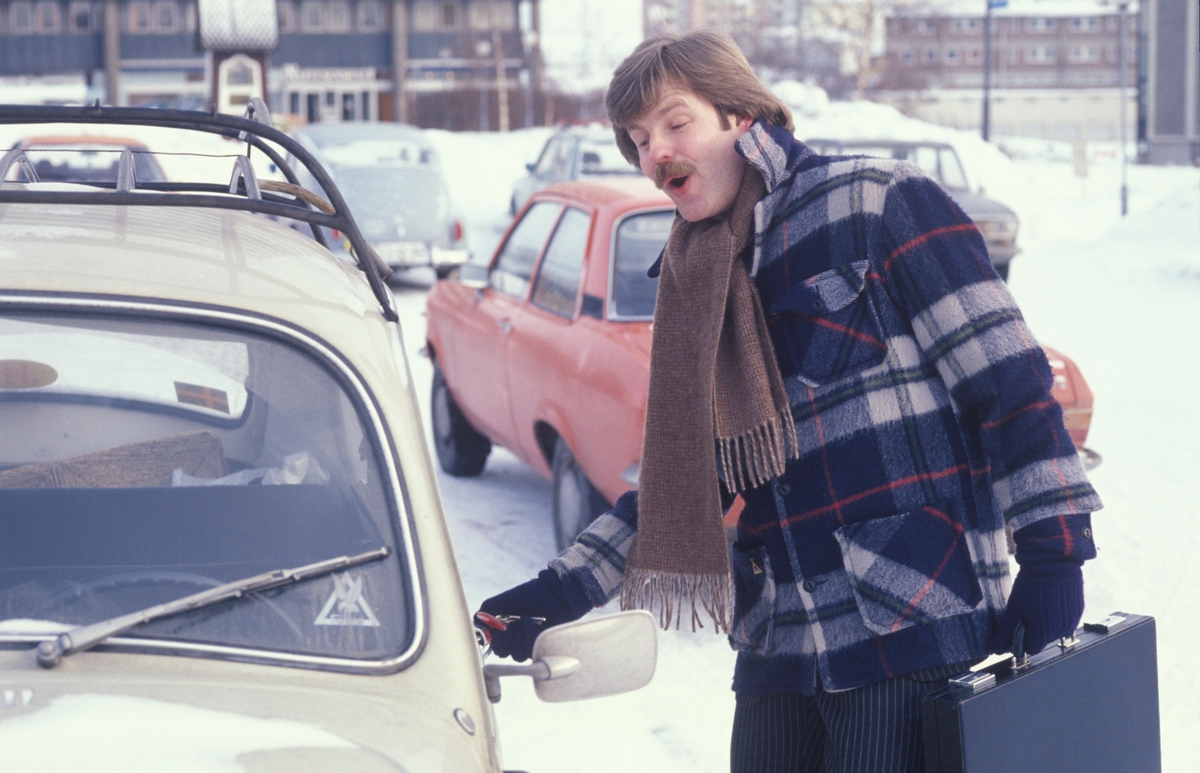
[
  {"x": 544, "y": 348},
  {"x": 479, "y": 381}
]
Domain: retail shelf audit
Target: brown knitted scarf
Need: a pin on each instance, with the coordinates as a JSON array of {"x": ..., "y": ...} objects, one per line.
[{"x": 715, "y": 394}]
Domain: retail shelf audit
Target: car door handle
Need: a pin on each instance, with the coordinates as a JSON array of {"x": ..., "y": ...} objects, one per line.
[{"x": 505, "y": 326}]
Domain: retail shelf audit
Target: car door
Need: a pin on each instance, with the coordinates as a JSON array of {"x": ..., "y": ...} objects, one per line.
[
  {"x": 544, "y": 346},
  {"x": 478, "y": 379}
]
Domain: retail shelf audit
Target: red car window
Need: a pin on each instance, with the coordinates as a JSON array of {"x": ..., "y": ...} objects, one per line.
[
  {"x": 514, "y": 265},
  {"x": 557, "y": 282},
  {"x": 639, "y": 241}
]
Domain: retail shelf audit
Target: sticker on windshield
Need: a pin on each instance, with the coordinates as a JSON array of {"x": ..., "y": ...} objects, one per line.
[
  {"x": 205, "y": 397},
  {"x": 346, "y": 605}
]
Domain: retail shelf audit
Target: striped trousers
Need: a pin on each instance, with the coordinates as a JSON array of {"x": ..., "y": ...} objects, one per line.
[{"x": 870, "y": 729}]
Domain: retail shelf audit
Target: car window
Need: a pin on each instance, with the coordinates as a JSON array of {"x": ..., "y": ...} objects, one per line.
[
  {"x": 952, "y": 172},
  {"x": 557, "y": 282},
  {"x": 639, "y": 241},
  {"x": 208, "y": 456},
  {"x": 603, "y": 158},
  {"x": 85, "y": 163},
  {"x": 514, "y": 265},
  {"x": 549, "y": 157}
]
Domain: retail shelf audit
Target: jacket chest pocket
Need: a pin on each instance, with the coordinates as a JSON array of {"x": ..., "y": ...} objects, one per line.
[{"x": 825, "y": 328}]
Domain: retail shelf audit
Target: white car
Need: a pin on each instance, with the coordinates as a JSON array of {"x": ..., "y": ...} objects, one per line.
[
  {"x": 221, "y": 540},
  {"x": 584, "y": 152}
]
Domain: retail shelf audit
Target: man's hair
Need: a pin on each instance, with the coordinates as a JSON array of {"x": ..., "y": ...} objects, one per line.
[{"x": 706, "y": 62}]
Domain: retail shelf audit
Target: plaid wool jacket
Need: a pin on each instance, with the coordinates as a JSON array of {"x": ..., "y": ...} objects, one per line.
[{"x": 925, "y": 422}]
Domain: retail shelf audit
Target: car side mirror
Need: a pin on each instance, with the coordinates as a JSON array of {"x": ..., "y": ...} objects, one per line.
[
  {"x": 587, "y": 659},
  {"x": 473, "y": 276}
]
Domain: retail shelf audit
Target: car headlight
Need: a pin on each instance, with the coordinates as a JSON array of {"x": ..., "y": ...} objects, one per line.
[{"x": 998, "y": 229}]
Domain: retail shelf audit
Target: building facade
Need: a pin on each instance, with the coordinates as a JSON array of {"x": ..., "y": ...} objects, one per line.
[{"x": 462, "y": 64}]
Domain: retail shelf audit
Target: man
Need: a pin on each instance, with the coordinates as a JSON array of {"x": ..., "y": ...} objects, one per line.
[{"x": 832, "y": 343}]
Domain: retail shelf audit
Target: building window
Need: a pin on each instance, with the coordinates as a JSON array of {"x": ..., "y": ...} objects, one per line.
[
  {"x": 922, "y": 26},
  {"x": 966, "y": 25},
  {"x": 1041, "y": 55},
  {"x": 1039, "y": 24},
  {"x": 287, "y": 18},
  {"x": 79, "y": 17},
  {"x": 370, "y": 16},
  {"x": 46, "y": 19},
  {"x": 974, "y": 56},
  {"x": 166, "y": 17},
  {"x": 348, "y": 107},
  {"x": 908, "y": 57},
  {"x": 140, "y": 19},
  {"x": 479, "y": 13},
  {"x": 1085, "y": 24},
  {"x": 1113, "y": 23},
  {"x": 931, "y": 56},
  {"x": 424, "y": 16},
  {"x": 20, "y": 18},
  {"x": 953, "y": 56},
  {"x": 366, "y": 106},
  {"x": 337, "y": 16},
  {"x": 294, "y": 103},
  {"x": 448, "y": 16},
  {"x": 312, "y": 16}
]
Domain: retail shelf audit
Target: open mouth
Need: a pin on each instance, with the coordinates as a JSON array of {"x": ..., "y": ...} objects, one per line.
[{"x": 673, "y": 175}]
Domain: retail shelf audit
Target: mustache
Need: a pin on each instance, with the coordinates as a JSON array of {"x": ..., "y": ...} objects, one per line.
[{"x": 670, "y": 170}]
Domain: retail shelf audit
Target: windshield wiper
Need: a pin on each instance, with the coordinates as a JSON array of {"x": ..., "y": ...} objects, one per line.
[{"x": 50, "y": 653}]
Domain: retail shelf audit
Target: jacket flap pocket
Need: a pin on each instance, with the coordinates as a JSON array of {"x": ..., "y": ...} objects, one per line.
[
  {"x": 824, "y": 293},
  {"x": 909, "y": 569}
]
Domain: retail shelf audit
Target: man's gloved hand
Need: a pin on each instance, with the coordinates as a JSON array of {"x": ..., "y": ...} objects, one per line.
[
  {"x": 1047, "y": 596},
  {"x": 512, "y": 620}
]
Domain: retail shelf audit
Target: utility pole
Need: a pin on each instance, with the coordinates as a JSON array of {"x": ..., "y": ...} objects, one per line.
[
  {"x": 1123, "y": 6},
  {"x": 986, "y": 123},
  {"x": 501, "y": 75}
]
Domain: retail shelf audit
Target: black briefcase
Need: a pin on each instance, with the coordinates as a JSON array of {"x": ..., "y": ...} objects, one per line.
[{"x": 1090, "y": 705}]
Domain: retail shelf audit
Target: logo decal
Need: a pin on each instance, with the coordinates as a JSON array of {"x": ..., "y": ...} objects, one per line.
[{"x": 346, "y": 605}]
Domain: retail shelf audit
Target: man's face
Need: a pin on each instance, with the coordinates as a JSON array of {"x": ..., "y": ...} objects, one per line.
[{"x": 684, "y": 149}]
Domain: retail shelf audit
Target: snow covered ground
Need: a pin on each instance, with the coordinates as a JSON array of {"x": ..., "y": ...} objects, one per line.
[{"x": 1120, "y": 296}]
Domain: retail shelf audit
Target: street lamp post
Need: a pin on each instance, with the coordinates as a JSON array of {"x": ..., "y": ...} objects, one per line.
[{"x": 483, "y": 49}]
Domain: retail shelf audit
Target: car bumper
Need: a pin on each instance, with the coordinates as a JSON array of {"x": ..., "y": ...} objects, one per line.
[{"x": 402, "y": 255}]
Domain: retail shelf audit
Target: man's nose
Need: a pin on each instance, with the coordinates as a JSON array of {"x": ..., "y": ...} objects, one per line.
[{"x": 660, "y": 149}]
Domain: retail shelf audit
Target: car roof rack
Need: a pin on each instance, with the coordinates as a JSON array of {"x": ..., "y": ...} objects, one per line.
[{"x": 245, "y": 191}]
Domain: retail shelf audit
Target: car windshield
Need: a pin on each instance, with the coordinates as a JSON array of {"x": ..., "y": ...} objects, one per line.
[
  {"x": 639, "y": 241},
  {"x": 145, "y": 460},
  {"x": 603, "y": 157},
  {"x": 89, "y": 163},
  {"x": 939, "y": 162}
]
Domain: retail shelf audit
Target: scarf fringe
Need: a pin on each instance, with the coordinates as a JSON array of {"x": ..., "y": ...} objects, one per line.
[
  {"x": 650, "y": 590},
  {"x": 757, "y": 456}
]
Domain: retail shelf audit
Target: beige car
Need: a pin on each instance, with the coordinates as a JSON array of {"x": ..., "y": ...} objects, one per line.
[{"x": 221, "y": 541}]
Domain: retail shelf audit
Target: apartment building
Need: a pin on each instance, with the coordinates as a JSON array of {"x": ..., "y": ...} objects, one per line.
[{"x": 319, "y": 59}]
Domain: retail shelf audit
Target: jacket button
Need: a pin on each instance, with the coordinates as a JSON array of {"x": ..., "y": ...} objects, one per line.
[
  {"x": 784, "y": 489},
  {"x": 818, "y": 305},
  {"x": 1087, "y": 533},
  {"x": 810, "y": 585}
]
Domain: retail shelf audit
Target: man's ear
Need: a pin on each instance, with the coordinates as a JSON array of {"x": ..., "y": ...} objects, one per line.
[{"x": 742, "y": 123}]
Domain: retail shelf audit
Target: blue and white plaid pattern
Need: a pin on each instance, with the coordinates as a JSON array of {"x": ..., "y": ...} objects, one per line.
[{"x": 925, "y": 423}]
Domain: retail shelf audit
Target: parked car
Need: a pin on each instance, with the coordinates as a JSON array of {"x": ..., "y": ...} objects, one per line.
[
  {"x": 546, "y": 350},
  {"x": 996, "y": 222},
  {"x": 392, "y": 178},
  {"x": 84, "y": 157},
  {"x": 583, "y": 152},
  {"x": 213, "y": 485}
]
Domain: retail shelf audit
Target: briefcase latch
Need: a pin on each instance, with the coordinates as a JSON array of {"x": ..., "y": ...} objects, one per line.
[{"x": 975, "y": 680}]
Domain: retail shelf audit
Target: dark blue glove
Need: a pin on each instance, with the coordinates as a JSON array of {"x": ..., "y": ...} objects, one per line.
[
  {"x": 512, "y": 620},
  {"x": 1047, "y": 597}
]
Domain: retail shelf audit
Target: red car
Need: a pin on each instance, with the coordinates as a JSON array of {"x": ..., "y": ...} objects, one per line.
[{"x": 546, "y": 351}]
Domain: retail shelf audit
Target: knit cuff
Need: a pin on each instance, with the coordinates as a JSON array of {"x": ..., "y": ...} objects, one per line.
[{"x": 1061, "y": 537}]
